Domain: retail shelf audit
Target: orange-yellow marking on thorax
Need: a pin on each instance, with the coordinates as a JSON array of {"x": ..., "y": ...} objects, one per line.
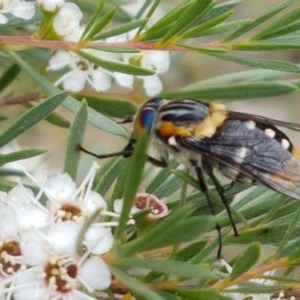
[
  {"x": 295, "y": 152},
  {"x": 204, "y": 129},
  {"x": 208, "y": 127}
]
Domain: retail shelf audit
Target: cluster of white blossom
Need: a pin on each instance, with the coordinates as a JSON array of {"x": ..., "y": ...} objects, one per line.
[
  {"x": 40, "y": 257},
  {"x": 67, "y": 25},
  {"x": 18, "y": 8}
]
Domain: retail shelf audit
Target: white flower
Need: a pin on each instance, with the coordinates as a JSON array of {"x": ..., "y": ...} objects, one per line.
[
  {"x": 51, "y": 5},
  {"x": 157, "y": 61},
  {"x": 18, "y": 8},
  {"x": 56, "y": 266},
  {"x": 66, "y": 23},
  {"x": 67, "y": 202},
  {"x": 81, "y": 72},
  {"x": 23, "y": 201},
  {"x": 41, "y": 256}
]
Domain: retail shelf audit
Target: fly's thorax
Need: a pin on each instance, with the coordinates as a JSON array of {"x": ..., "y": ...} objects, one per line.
[{"x": 189, "y": 118}]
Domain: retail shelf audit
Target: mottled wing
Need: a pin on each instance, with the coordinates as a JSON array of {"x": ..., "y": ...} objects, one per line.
[{"x": 259, "y": 152}]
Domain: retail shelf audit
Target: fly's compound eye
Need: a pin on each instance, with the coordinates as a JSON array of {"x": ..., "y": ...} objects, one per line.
[
  {"x": 144, "y": 121},
  {"x": 146, "y": 116}
]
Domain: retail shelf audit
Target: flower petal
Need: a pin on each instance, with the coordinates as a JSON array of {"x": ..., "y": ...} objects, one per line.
[
  {"x": 98, "y": 239},
  {"x": 101, "y": 81},
  {"x": 62, "y": 237},
  {"x": 3, "y": 19},
  {"x": 60, "y": 188},
  {"x": 95, "y": 273},
  {"x": 59, "y": 60},
  {"x": 33, "y": 248},
  {"x": 51, "y": 5},
  {"x": 152, "y": 85},
  {"x": 75, "y": 81},
  {"x": 23, "y": 10},
  {"x": 93, "y": 201},
  {"x": 124, "y": 80}
]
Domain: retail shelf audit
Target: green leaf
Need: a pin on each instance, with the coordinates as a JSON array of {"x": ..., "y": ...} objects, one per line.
[
  {"x": 70, "y": 103},
  {"x": 160, "y": 180},
  {"x": 256, "y": 288},
  {"x": 167, "y": 20},
  {"x": 202, "y": 49},
  {"x": 289, "y": 249},
  {"x": 282, "y": 31},
  {"x": 197, "y": 294},
  {"x": 226, "y": 27},
  {"x": 112, "y": 107},
  {"x": 135, "y": 285},
  {"x": 219, "y": 9},
  {"x": 176, "y": 229},
  {"x": 107, "y": 175},
  {"x": 278, "y": 65},
  {"x": 90, "y": 26},
  {"x": 19, "y": 155},
  {"x": 267, "y": 235},
  {"x": 121, "y": 29},
  {"x": 254, "y": 23},
  {"x": 75, "y": 138},
  {"x": 6, "y": 185},
  {"x": 291, "y": 228},
  {"x": 57, "y": 120},
  {"x": 53, "y": 118},
  {"x": 8, "y": 76},
  {"x": 170, "y": 267},
  {"x": 101, "y": 23},
  {"x": 133, "y": 180},
  {"x": 31, "y": 117},
  {"x": 282, "y": 22},
  {"x": 153, "y": 7},
  {"x": 243, "y": 76},
  {"x": 285, "y": 42},
  {"x": 245, "y": 261},
  {"x": 234, "y": 91},
  {"x": 196, "y": 31},
  {"x": 190, "y": 251},
  {"x": 183, "y": 175},
  {"x": 115, "y": 66},
  {"x": 103, "y": 47},
  {"x": 195, "y": 10},
  {"x": 168, "y": 187}
]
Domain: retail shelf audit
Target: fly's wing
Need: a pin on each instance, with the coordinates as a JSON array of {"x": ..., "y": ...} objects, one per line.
[
  {"x": 255, "y": 151},
  {"x": 233, "y": 115}
]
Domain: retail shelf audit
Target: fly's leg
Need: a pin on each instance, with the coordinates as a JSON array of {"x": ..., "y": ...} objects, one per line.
[
  {"x": 208, "y": 169},
  {"x": 203, "y": 188}
]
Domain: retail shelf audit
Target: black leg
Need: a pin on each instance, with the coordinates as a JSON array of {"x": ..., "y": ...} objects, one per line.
[
  {"x": 208, "y": 169},
  {"x": 204, "y": 190},
  {"x": 126, "y": 152}
]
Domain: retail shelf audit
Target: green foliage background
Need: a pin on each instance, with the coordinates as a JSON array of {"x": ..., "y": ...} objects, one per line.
[{"x": 176, "y": 257}]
